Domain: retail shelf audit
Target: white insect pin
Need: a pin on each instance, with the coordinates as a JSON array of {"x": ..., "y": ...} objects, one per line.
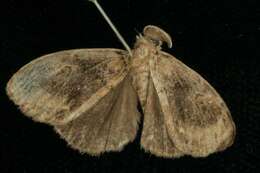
[{"x": 90, "y": 96}]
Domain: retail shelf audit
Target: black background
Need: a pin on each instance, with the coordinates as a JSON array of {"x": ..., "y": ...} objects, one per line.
[{"x": 215, "y": 38}]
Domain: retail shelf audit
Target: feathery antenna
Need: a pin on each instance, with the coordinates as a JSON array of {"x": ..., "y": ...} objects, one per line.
[{"x": 122, "y": 40}]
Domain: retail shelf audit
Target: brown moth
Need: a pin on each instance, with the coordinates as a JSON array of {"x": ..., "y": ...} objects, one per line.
[{"x": 90, "y": 96}]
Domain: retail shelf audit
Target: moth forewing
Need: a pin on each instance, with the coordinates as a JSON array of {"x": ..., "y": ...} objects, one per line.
[
  {"x": 197, "y": 119},
  {"x": 58, "y": 87}
]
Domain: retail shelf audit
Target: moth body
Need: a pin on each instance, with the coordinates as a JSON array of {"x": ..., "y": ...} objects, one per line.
[
  {"x": 140, "y": 70},
  {"x": 146, "y": 48}
]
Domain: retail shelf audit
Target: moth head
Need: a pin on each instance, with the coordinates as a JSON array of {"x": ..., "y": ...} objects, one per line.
[{"x": 157, "y": 36}]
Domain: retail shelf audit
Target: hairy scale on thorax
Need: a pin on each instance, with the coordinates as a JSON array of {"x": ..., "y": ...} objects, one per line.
[{"x": 143, "y": 51}]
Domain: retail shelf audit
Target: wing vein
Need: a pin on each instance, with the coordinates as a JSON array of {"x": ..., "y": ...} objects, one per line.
[{"x": 110, "y": 121}]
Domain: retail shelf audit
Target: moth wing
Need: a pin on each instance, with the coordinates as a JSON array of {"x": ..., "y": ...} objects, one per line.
[
  {"x": 108, "y": 125},
  {"x": 58, "y": 87},
  {"x": 155, "y": 137},
  {"x": 197, "y": 119}
]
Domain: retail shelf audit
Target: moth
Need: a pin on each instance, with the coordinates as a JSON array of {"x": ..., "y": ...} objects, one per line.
[{"x": 90, "y": 97}]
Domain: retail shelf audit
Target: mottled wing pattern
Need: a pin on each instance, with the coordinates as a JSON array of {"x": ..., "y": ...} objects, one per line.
[
  {"x": 197, "y": 119},
  {"x": 59, "y": 87},
  {"x": 155, "y": 137},
  {"x": 107, "y": 126}
]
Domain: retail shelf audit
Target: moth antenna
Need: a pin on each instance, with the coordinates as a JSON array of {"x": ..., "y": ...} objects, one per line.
[
  {"x": 137, "y": 32},
  {"x": 119, "y": 36},
  {"x": 139, "y": 35}
]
